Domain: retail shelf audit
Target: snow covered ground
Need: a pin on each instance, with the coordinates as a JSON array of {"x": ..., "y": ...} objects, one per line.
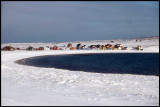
[{"x": 28, "y": 85}]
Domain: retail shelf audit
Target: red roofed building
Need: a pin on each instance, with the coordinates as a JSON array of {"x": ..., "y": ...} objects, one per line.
[
  {"x": 41, "y": 48},
  {"x": 55, "y": 47},
  {"x": 69, "y": 45},
  {"x": 17, "y": 48}
]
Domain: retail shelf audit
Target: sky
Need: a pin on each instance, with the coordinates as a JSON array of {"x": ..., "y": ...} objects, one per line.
[{"x": 67, "y": 21}]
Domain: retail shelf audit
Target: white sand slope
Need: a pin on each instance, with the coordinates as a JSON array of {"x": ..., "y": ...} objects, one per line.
[{"x": 28, "y": 85}]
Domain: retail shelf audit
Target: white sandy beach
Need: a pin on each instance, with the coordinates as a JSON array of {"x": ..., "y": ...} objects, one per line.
[{"x": 28, "y": 85}]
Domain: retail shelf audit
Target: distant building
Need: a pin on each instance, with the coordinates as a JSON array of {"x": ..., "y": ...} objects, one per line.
[
  {"x": 92, "y": 46},
  {"x": 118, "y": 45},
  {"x": 84, "y": 47},
  {"x": 55, "y": 47},
  {"x": 30, "y": 48},
  {"x": 98, "y": 46},
  {"x": 73, "y": 48},
  {"x": 139, "y": 47},
  {"x": 17, "y": 48},
  {"x": 41, "y": 48},
  {"x": 69, "y": 45},
  {"x": 79, "y": 46},
  {"x": 8, "y": 48},
  {"x": 102, "y": 47}
]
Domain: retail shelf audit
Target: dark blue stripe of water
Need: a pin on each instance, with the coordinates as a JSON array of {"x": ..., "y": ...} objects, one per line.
[{"x": 120, "y": 63}]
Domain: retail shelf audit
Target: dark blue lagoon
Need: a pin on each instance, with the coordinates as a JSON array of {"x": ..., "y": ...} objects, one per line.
[{"x": 120, "y": 63}]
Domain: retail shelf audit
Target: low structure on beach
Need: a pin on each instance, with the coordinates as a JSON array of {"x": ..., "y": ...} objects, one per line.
[
  {"x": 139, "y": 47},
  {"x": 8, "y": 48},
  {"x": 18, "y": 49},
  {"x": 73, "y": 48},
  {"x": 118, "y": 46},
  {"x": 92, "y": 46},
  {"x": 98, "y": 46},
  {"x": 55, "y": 47},
  {"x": 108, "y": 45},
  {"x": 79, "y": 46},
  {"x": 69, "y": 45},
  {"x": 41, "y": 48},
  {"x": 30, "y": 48},
  {"x": 102, "y": 47},
  {"x": 111, "y": 47},
  {"x": 84, "y": 47}
]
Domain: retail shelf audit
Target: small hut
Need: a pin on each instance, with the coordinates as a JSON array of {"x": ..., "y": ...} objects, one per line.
[
  {"x": 79, "y": 46},
  {"x": 98, "y": 46},
  {"x": 41, "y": 48},
  {"x": 139, "y": 47},
  {"x": 102, "y": 47},
  {"x": 55, "y": 47},
  {"x": 92, "y": 47},
  {"x": 73, "y": 48},
  {"x": 84, "y": 47},
  {"x": 118, "y": 46},
  {"x": 107, "y": 46},
  {"x": 17, "y": 48},
  {"x": 8, "y": 48},
  {"x": 69, "y": 45},
  {"x": 30, "y": 48}
]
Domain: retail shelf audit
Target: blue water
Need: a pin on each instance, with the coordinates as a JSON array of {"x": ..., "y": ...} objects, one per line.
[{"x": 120, "y": 63}]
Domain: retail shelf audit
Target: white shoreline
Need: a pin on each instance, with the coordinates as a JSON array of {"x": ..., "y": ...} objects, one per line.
[
  {"x": 63, "y": 86},
  {"x": 27, "y": 85}
]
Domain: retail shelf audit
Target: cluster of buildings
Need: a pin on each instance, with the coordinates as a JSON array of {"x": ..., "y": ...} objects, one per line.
[{"x": 78, "y": 47}]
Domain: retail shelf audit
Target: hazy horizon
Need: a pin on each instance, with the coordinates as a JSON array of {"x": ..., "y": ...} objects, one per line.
[{"x": 66, "y": 21}]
